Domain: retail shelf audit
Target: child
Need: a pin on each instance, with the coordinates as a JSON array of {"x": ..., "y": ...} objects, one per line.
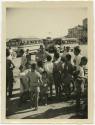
[
  {"x": 34, "y": 80},
  {"x": 44, "y": 88},
  {"x": 24, "y": 86},
  {"x": 67, "y": 74},
  {"x": 77, "y": 58},
  {"x": 81, "y": 72},
  {"x": 57, "y": 75},
  {"x": 80, "y": 82},
  {"x": 48, "y": 67},
  {"x": 66, "y": 51}
]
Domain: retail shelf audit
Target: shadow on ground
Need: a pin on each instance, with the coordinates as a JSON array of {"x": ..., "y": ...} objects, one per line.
[
  {"x": 13, "y": 107},
  {"x": 51, "y": 113}
]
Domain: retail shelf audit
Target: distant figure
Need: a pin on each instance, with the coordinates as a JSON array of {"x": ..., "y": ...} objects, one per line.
[
  {"x": 9, "y": 73},
  {"x": 66, "y": 51},
  {"x": 55, "y": 54},
  {"x": 28, "y": 57},
  {"x": 23, "y": 60}
]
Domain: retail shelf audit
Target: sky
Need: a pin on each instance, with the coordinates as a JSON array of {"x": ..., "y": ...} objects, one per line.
[{"x": 42, "y": 22}]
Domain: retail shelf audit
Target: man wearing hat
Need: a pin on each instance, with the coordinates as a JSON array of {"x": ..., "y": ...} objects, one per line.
[{"x": 42, "y": 54}]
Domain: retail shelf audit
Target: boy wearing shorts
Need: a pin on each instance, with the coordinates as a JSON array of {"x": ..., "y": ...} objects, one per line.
[
  {"x": 44, "y": 88},
  {"x": 80, "y": 83},
  {"x": 34, "y": 80}
]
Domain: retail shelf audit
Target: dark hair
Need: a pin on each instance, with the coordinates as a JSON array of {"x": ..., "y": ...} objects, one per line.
[
  {"x": 56, "y": 55},
  {"x": 22, "y": 51},
  {"x": 49, "y": 58},
  {"x": 33, "y": 66},
  {"x": 44, "y": 72},
  {"x": 68, "y": 48},
  {"x": 84, "y": 60},
  {"x": 40, "y": 64},
  {"x": 68, "y": 57},
  {"x": 77, "y": 49},
  {"x": 27, "y": 50}
]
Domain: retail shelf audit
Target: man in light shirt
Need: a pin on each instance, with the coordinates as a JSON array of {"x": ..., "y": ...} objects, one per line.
[
  {"x": 34, "y": 80},
  {"x": 42, "y": 54},
  {"x": 48, "y": 67}
]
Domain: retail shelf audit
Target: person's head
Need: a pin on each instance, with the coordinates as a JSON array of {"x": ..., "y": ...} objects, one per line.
[
  {"x": 68, "y": 57},
  {"x": 83, "y": 61},
  {"x": 27, "y": 51},
  {"x": 49, "y": 58},
  {"x": 42, "y": 48},
  {"x": 7, "y": 52},
  {"x": 33, "y": 67},
  {"x": 40, "y": 64},
  {"x": 21, "y": 52},
  {"x": 71, "y": 50},
  {"x": 44, "y": 74},
  {"x": 67, "y": 48},
  {"x": 63, "y": 59},
  {"x": 77, "y": 50},
  {"x": 56, "y": 56}
]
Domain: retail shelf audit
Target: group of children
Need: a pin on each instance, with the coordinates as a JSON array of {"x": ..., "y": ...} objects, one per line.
[{"x": 40, "y": 77}]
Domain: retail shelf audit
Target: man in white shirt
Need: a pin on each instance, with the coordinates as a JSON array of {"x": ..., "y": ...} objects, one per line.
[{"x": 48, "y": 67}]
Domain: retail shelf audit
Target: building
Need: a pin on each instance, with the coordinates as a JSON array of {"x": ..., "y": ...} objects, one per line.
[
  {"x": 75, "y": 32},
  {"x": 79, "y": 32},
  {"x": 85, "y": 30},
  {"x": 85, "y": 23}
]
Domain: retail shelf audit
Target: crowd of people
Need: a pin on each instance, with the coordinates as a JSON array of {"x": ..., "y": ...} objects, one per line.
[{"x": 40, "y": 77}]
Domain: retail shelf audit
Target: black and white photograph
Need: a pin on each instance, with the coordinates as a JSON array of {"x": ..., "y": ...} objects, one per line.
[{"x": 47, "y": 61}]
